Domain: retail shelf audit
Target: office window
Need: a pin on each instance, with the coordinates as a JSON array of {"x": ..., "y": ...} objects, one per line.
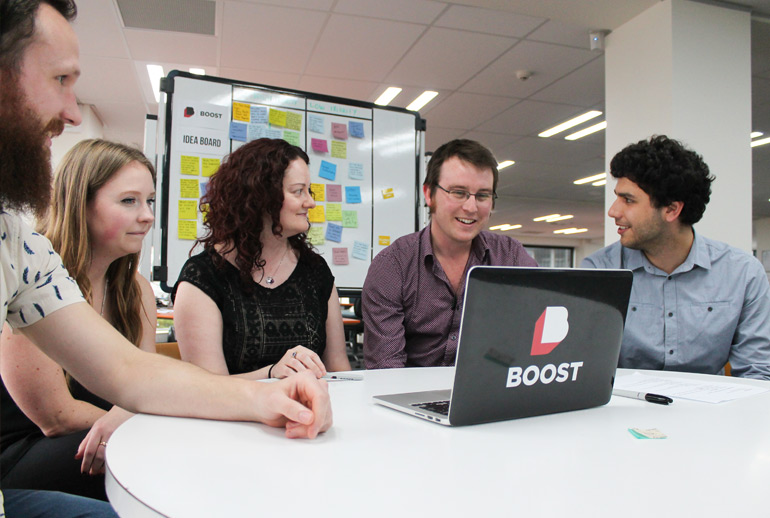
[{"x": 552, "y": 256}]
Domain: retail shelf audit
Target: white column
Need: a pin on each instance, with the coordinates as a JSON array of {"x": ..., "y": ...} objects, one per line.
[{"x": 683, "y": 69}]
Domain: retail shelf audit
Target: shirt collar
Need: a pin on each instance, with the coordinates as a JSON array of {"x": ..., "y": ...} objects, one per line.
[
  {"x": 698, "y": 256},
  {"x": 479, "y": 246}
]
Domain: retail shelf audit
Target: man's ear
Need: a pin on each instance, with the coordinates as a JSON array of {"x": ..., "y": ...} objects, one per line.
[
  {"x": 426, "y": 193},
  {"x": 673, "y": 210}
]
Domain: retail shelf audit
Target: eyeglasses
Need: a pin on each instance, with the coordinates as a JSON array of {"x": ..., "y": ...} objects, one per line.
[{"x": 462, "y": 195}]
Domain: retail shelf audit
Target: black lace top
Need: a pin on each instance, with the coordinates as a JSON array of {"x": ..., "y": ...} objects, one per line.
[{"x": 260, "y": 324}]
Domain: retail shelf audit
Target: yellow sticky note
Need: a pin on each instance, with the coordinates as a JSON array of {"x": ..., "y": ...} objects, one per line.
[
  {"x": 188, "y": 229},
  {"x": 188, "y": 188},
  {"x": 316, "y": 214},
  {"x": 388, "y": 193},
  {"x": 210, "y": 166},
  {"x": 316, "y": 236},
  {"x": 277, "y": 117},
  {"x": 333, "y": 212},
  {"x": 293, "y": 121},
  {"x": 190, "y": 165},
  {"x": 241, "y": 112},
  {"x": 339, "y": 149},
  {"x": 188, "y": 209},
  {"x": 384, "y": 240},
  {"x": 319, "y": 191}
]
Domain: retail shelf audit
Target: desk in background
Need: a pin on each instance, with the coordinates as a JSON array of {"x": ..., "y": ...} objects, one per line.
[{"x": 378, "y": 462}]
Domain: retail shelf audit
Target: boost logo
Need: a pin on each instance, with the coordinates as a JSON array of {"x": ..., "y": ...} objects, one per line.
[
  {"x": 550, "y": 329},
  {"x": 189, "y": 112}
]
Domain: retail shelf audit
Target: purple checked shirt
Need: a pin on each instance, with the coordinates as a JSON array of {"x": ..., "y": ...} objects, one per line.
[{"x": 411, "y": 314}]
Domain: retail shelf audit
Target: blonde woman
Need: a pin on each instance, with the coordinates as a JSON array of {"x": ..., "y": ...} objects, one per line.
[{"x": 53, "y": 432}]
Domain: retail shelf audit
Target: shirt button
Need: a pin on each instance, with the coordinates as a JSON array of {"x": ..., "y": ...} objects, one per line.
[
  {"x": 454, "y": 337},
  {"x": 669, "y": 277},
  {"x": 671, "y": 314},
  {"x": 711, "y": 309},
  {"x": 671, "y": 351},
  {"x": 633, "y": 308}
]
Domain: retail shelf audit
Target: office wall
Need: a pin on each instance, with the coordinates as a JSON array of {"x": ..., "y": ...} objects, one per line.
[{"x": 91, "y": 127}]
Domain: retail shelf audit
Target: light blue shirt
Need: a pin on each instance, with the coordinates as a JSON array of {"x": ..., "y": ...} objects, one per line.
[{"x": 714, "y": 308}]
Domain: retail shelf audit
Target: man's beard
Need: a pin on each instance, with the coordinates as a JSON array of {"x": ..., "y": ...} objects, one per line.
[{"x": 25, "y": 159}]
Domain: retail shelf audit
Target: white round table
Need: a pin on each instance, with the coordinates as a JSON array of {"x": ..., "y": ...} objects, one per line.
[{"x": 379, "y": 462}]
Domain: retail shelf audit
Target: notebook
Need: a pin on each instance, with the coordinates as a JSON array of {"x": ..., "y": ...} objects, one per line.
[{"x": 533, "y": 341}]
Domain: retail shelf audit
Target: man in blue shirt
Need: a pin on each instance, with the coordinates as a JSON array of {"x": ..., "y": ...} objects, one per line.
[{"x": 696, "y": 303}]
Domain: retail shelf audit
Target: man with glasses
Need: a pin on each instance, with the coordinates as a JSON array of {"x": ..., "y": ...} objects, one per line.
[{"x": 413, "y": 293}]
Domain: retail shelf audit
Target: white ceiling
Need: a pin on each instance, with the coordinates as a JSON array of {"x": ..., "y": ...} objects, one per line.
[{"x": 467, "y": 50}]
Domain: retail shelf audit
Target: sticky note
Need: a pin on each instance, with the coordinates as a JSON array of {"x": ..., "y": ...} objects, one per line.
[
  {"x": 319, "y": 145},
  {"x": 339, "y": 149},
  {"x": 334, "y": 232},
  {"x": 328, "y": 170},
  {"x": 293, "y": 121},
  {"x": 647, "y": 433},
  {"x": 316, "y": 236},
  {"x": 339, "y": 255},
  {"x": 384, "y": 240},
  {"x": 350, "y": 219},
  {"x": 188, "y": 188},
  {"x": 273, "y": 133},
  {"x": 277, "y": 117},
  {"x": 292, "y": 137},
  {"x": 255, "y": 131},
  {"x": 188, "y": 209},
  {"x": 356, "y": 129},
  {"x": 190, "y": 165},
  {"x": 316, "y": 214},
  {"x": 241, "y": 112},
  {"x": 356, "y": 171},
  {"x": 259, "y": 114},
  {"x": 210, "y": 166},
  {"x": 360, "y": 250},
  {"x": 238, "y": 131},
  {"x": 352, "y": 194},
  {"x": 187, "y": 229},
  {"x": 333, "y": 212},
  {"x": 339, "y": 131},
  {"x": 318, "y": 191},
  {"x": 388, "y": 193},
  {"x": 333, "y": 192},
  {"x": 315, "y": 123}
]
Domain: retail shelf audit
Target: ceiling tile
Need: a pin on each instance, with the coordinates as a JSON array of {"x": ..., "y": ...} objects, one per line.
[
  {"x": 583, "y": 87},
  {"x": 530, "y": 118},
  {"x": 116, "y": 80},
  {"x": 277, "y": 79},
  {"x": 466, "y": 111},
  {"x": 349, "y": 89},
  {"x": 266, "y": 37},
  {"x": 562, "y": 33},
  {"x": 99, "y": 29},
  {"x": 447, "y": 58},
  {"x": 358, "y": 48},
  {"x": 489, "y": 21},
  {"x": 415, "y": 11},
  {"x": 179, "y": 47}
]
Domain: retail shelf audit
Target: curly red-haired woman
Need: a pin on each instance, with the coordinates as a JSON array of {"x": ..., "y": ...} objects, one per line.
[{"x": 258, "y": 302}]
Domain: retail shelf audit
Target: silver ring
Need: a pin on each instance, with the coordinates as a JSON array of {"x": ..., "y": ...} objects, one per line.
[{"x": 294, "y": 354}]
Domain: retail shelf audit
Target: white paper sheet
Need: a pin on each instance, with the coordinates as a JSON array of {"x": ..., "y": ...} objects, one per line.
[{"x": 695, "y": 390}]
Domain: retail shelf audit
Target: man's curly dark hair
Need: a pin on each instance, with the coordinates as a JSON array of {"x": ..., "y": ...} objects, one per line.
[
  {"x": 247, "y": 187},
  {"x": 667, "y": 171}
]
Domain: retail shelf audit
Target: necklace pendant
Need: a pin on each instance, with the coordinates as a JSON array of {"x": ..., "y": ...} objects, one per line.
[{"x": 269, "y": 280}]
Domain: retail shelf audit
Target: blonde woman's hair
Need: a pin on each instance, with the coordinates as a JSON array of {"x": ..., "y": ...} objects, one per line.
[{"x": 82, "y": 172}]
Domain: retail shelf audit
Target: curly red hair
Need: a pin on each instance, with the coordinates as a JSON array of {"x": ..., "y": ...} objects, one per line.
[{"x": 247, "y": 187}]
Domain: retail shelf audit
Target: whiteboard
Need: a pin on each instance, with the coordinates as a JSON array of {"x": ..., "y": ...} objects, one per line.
[{"x": 365, "y": 163}]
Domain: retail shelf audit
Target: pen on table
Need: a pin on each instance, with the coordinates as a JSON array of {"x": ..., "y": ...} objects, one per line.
[
  {"x": 343, "y": 377},
  {"x": 644, "y": 396}
]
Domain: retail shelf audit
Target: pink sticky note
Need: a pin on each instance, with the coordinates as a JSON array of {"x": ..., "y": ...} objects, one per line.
[
  {"x": 340, "y": 255},
  {"x": 333, "y": 192},
  {"x": 339, "y": 131},
  {"x": 320, "y": 145}
]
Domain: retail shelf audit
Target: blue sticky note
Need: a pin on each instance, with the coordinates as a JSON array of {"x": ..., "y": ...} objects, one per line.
[
  {"x": 315, "y": 123},
  {"x": 259, "y": 114},
  {"x": 238, "y": 131},
  {"x": 356, "y": 170},
  {"x": 334, "y": 232},
  {"x": 255, "y": 131},
  {"x": 360, "y": 250},
  {"x": 328, "y": 171},
  {"x": 352, "y": 194},
  {"x": 356, "y": 129},
  {"x": 274, "y": 133}
]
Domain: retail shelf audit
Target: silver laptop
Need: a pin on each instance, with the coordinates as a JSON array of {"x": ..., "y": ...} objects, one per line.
[{"x": 533, "y": 341}]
